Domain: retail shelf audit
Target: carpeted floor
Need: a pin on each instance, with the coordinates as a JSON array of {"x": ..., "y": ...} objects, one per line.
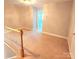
[{"x": 47, "y": 47}]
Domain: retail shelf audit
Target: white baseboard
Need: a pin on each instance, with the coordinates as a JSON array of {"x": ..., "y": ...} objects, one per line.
[{"x": 51, "y": 34}]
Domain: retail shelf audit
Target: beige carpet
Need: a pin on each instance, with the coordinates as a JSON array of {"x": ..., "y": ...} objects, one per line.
[{"x": 48, "y": 47}]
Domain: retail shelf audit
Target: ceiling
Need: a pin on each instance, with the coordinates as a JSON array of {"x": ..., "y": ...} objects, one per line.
[{"x": 38, "y": 2}]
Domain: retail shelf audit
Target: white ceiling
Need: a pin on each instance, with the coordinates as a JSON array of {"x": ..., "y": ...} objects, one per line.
[
  {"x": 38, "y": 2},
  {"x": 56, "y": 1}
]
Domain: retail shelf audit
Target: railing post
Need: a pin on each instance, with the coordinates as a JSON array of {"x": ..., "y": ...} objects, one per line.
[{"x": 22, "y": 49}]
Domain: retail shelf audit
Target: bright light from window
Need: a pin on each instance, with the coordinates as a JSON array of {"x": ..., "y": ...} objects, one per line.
[{"x": 39, "y": 20}]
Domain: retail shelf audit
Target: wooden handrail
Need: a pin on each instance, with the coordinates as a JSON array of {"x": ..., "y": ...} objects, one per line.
[{"x": 17, "y": 29}]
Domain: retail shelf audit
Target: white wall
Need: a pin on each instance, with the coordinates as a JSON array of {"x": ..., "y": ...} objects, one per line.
[
  {"x": 57, "y": 18},
  {"x": 25, "y": 16},
  {"x": 71, "y": 36},
  {"x": 55, "y": 21},
  {"x": 11, "y": 16},
  {"x": 18, "y": 16}
]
